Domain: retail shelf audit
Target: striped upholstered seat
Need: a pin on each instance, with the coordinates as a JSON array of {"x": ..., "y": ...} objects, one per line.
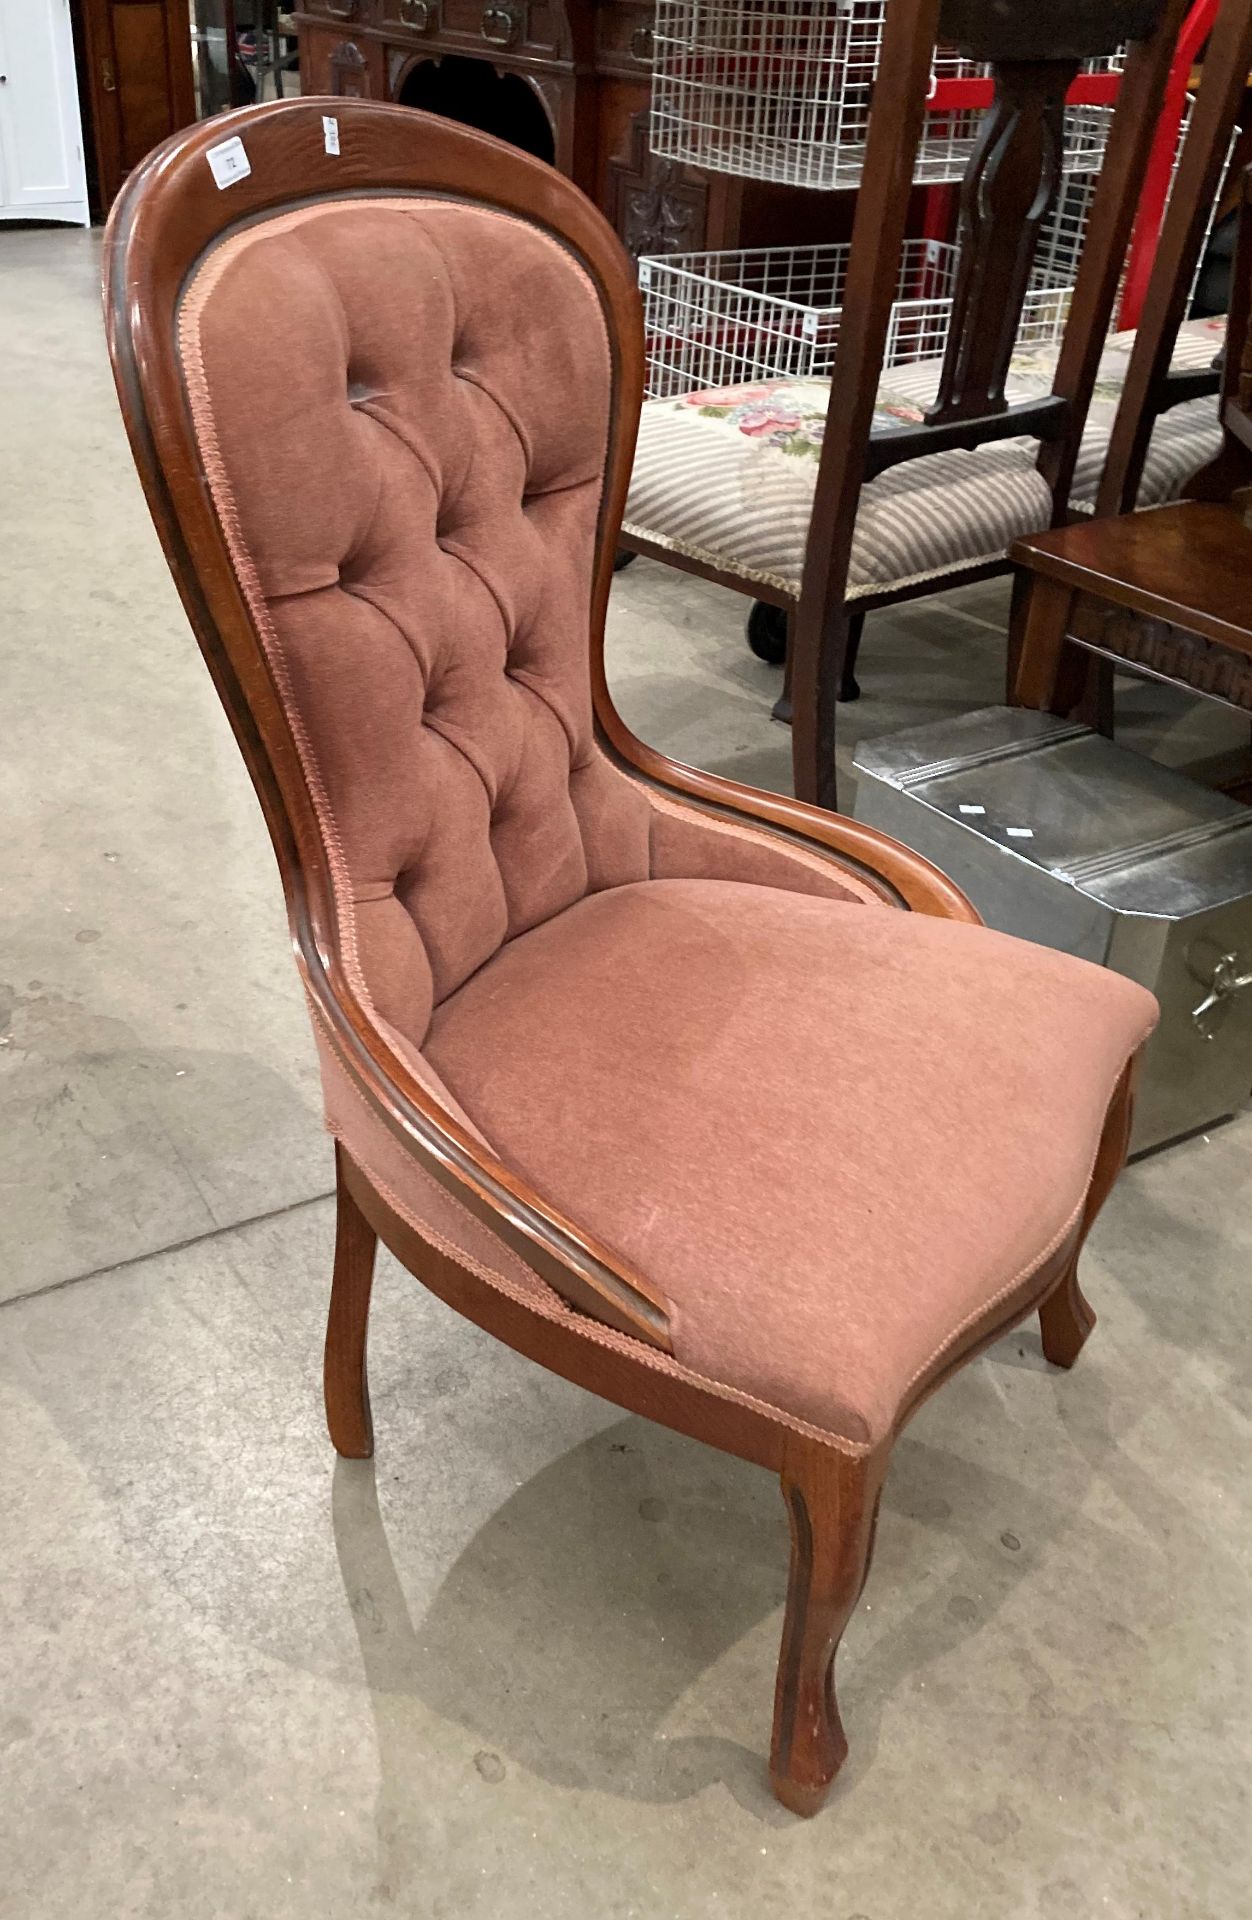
[{"x": 727, "y": 477}]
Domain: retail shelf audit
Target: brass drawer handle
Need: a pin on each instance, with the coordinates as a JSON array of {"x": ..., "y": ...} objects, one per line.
[
  {"x": 641, "y": 44},
  {"x": 499, "y": 24},
  {"x": 416, "y": 13}
]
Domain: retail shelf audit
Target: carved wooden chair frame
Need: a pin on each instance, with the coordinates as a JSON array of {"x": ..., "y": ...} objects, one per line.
[{"x": 618, "y": 1345}]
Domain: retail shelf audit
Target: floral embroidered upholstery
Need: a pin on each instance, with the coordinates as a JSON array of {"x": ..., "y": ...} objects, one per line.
[{"x": 727, "y": 476}]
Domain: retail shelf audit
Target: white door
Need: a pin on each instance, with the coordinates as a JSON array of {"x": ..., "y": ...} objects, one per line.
[{"x": 41, "y": 140}]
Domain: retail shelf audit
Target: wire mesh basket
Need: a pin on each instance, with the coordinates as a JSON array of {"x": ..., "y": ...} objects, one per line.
[
  {"x": 780, "y": 90},
  {"x": 767, "y": 313}
]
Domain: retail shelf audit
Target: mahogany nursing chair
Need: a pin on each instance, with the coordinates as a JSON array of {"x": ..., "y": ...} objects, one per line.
[{"x": 727, "y": 1109}]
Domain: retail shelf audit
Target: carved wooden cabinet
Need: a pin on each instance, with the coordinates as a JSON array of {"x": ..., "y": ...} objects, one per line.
[{"x": 569, "y": 80}]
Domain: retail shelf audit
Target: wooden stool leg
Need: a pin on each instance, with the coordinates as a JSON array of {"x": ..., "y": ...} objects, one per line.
[
  {"x": 1037, "y": 643},
  {"x": 344, "y": 1375},
  {"x": 832, "y": 1502}
]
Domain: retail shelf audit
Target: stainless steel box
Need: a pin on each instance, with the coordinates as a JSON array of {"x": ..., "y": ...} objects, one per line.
[{"x": 1060, "y": 836}]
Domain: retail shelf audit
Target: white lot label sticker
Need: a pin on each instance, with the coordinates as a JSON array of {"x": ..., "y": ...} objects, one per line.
[
  {"x": 330, "y": 128},
  {"x": 1020, "y": 833},
  {"x": 228, "y": 162},
  {"x": 965, "y": 809}
]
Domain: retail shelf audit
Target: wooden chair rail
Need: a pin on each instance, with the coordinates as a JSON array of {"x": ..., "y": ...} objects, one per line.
[{"x": 1045, "y": 420}]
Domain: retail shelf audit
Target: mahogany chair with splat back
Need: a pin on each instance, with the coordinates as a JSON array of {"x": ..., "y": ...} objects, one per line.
[
  {"x": 1164, "y": 593},
  {"x": 900, "y": 511},
  {"x": 725, "y": 1108}
]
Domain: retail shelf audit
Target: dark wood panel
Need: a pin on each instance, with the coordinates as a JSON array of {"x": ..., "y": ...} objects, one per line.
[
  {"x": 139, "y": 86},
  {"x": 139, "y": 38},
  {"x": 589, "y": 64},
  {"x": 351, "y": 66},
  {"x": 656, "y": 205}
]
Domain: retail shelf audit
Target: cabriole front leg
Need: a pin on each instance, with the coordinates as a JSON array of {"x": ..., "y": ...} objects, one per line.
[
  {"x": 832, "y": 1504},
  {"x": 1067, "y": 1316}
]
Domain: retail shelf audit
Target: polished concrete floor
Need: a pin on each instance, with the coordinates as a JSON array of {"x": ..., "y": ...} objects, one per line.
[{"x": 522, "y": 1665}]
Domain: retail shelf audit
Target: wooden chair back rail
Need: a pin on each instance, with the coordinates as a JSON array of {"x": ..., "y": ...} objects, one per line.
[
  {"x": 1149, "y": 388},
  {"x": 1045, "y": 420},
  {"x": 1009, "y": 185},
  {"x": 1187, "y": 383},
  {"x": 1064, "y": 30}
]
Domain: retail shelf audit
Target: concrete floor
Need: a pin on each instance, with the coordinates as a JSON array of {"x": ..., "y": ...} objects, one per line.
[{"x": 522, "y": 1665}]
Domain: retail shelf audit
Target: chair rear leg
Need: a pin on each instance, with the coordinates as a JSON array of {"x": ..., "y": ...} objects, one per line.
[
  {"x": 345, "y": 1374},
  {"x": 832, "y": 1503},
  {"x": 1067, "y": 1316},
  {"x": 1066, "y": 1319}
]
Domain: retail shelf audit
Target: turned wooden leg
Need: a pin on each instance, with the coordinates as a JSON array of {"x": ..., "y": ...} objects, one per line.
[
  {"x": 344, "y": 1372},
  {"x": 832, "y": 1502},
  {"x": 1065, "y": 1320}
]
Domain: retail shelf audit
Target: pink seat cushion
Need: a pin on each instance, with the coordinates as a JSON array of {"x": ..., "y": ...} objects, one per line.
[{"x": 834, "y": 1136}]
